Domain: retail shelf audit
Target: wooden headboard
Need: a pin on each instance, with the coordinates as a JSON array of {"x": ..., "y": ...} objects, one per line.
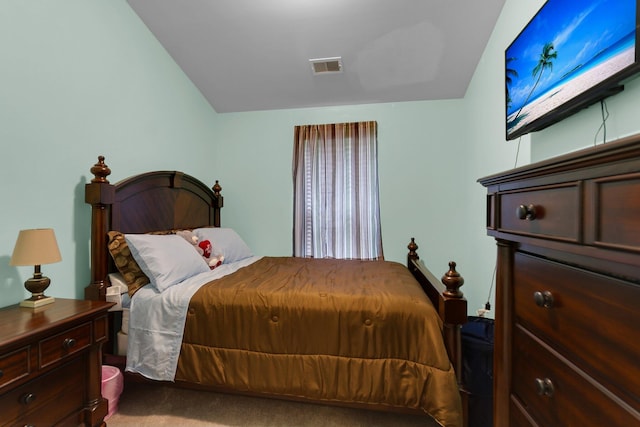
[{"x": 153, "y": 201}]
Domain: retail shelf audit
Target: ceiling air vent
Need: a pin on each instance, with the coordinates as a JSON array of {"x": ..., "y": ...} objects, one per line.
[{"x": 326, "y": 65}]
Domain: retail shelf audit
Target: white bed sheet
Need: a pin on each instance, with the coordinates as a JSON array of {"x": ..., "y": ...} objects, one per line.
[{"x": 156, "y": 323}]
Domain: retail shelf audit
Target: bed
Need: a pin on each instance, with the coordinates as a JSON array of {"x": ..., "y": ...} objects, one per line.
[{"x": 369, "y": 334}]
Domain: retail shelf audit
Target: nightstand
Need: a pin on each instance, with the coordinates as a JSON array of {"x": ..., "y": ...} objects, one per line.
[{"x": 51, "y": 364}]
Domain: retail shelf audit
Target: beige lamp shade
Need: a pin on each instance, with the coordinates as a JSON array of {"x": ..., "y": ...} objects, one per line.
[{"x": 36, "y": 247}]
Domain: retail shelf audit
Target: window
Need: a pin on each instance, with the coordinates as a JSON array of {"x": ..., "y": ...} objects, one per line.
[{"x": 336, "y": 204}]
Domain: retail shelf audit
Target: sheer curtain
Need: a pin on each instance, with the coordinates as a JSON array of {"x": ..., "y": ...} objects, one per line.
[{"x": 336, "y": 204}]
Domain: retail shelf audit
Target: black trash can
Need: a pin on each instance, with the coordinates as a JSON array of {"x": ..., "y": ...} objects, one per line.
[{"x": 477, "y": 369}]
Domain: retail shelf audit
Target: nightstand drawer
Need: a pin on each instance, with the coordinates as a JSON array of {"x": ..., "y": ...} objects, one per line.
[
  {"x": 553, "y": 393},
  {"x": 47, "y": 398},
  {"x": 64, "y": 344},
  {"x": 590, "y": 318},
  {"x": 50, "y": 358},
  {"x": 14, "y": 366},
  {"x": 551, "y": 212}
]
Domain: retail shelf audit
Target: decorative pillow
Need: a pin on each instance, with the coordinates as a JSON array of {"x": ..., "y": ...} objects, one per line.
[
  {"x": 125, "y": 263},
  {"x": 203, "y": 247},
  {"x": 166, "y": 259},
  {"x": 226, "y": 241}
]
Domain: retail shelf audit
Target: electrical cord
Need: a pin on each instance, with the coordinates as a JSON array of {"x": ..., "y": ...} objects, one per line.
[
  {"x": 517, "y": 152},
  {"x": 487, "y": 305},
  {"x": 603, "y": 125}
]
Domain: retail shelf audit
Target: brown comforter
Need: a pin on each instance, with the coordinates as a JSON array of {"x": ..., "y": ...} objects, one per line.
[{"x": 327, "y": 330}]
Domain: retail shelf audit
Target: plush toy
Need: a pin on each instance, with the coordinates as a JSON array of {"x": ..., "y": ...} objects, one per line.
[{"x": 204, "y": 248}]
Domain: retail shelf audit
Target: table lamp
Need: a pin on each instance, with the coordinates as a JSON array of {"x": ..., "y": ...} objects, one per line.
[{"x": 36, "y": 247}]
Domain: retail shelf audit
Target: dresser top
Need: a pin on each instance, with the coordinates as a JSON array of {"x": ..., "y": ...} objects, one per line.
[
  {"x": 18, "y": 323},
  {"x": 588, "y": 161}
]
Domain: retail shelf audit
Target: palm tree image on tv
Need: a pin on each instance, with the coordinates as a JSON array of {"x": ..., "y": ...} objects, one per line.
[
  {"x": 508, "y": 80},
  {"x": 547, "y": 56}
]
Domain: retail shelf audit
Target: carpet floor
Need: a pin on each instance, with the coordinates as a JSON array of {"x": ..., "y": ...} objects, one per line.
[{"x": 157, "y": 405}]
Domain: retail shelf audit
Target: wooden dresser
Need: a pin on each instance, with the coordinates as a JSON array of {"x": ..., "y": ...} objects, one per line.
[
  {"x": 50, "y": 364},
  {"x": 567, "y": 343}
]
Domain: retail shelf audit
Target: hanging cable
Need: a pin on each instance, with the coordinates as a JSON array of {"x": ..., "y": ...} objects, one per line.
[
  {"x": 487, "y": 305},
  {"x": 517, "y": 152},
  {"x": 603, "y": 126}
]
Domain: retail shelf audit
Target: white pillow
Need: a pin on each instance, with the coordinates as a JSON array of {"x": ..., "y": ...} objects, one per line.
[
  {"x": 117, "y": 281},
  {"x": 166, "y": 259},
  {"x": 225, "y": 241}
]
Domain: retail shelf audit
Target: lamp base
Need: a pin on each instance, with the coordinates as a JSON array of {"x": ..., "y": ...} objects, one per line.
[
  {"x": 37, "y": 285},
  {"x": 35, "y": 302}
]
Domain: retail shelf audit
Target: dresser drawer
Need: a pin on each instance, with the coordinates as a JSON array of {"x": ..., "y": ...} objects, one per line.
[
  {"x": 46, "y": 399},
  {"x": 553, "y": 393},
  {"x": 518, "y": 416},
  {"x": 13, "y": 366},
  {"x": 592, "y": 320},
  {"x": 552, "y": 212},
  {"x": 65, "y": 344},
  {"x": 615, "y": 209}
]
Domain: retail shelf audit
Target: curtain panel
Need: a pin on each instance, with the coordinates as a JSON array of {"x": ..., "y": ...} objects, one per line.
[{"x": 336, "y": 202}]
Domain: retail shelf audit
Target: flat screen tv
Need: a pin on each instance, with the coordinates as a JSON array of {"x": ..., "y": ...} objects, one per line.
[{"x": 570, "y": 55}]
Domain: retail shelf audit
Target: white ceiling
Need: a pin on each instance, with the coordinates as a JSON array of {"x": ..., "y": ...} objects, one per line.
[{"x": 247, "y": 55}]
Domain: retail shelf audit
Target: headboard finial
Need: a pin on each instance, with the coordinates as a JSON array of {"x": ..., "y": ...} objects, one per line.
[
  {"x": 218, "y": 200},
  {"x": 100, "y": 171},
  {"x": 217, "y": 188}
]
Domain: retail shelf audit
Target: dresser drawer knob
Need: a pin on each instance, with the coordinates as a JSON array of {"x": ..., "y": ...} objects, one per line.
[
  {"x": 543, "y": 299},
  {"x": 69, "y": 343},
  {"x": 544, "y": 387},
  {"x": 28, "y": 398},
  {"x": 526, "y": 212}
]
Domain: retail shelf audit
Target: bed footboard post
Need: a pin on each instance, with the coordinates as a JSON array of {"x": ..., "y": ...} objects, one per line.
[
  {"x": 413, "y": 247},
  {"x": 449, "y": 301},
  {"x": 99, "y": 193},
  {"x": 453, "y": 329}
]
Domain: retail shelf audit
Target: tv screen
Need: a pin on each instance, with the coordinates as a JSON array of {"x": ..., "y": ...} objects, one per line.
[{"x": 569, "y": 56}]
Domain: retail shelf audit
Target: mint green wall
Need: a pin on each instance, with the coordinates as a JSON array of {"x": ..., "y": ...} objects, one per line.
[
  {"x": 576, "y": 132},
  {"x": 82, "y": 78},
  {"x": 489, "y": 153},
  {"x": 419, "y": 150},
  {"x": 581, "y": 130}
]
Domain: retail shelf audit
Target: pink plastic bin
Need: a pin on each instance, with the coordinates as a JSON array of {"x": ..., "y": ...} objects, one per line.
[{"x": 112, "y": 385}]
